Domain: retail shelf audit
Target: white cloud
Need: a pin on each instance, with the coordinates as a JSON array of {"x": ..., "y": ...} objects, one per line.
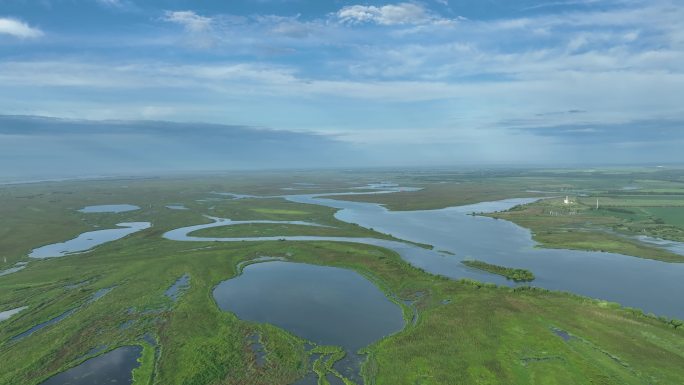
[
  {"x": 191, "y": 21},
  {"x": 18, "y": 28},
  {"x": 391, "y": 14},
  {"x": 478, "y": 72},
  {"x": 292, "y": 29}
]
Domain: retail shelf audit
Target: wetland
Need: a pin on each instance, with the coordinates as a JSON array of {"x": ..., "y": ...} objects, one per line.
[{"x": 352, "y": 292}]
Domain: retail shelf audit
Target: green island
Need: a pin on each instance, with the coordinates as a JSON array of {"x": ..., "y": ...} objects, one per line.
[
  {"x": 518, "y": 275},
  {"x": 465, "y": 332},
  {"x": 612, "y": 227}
]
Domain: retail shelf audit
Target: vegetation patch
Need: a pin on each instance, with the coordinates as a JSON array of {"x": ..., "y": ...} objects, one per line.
[
  {"x": 328, "y": 356},
  {"x": 518, "y": 275},
  {"x": 142, "y": 375}
]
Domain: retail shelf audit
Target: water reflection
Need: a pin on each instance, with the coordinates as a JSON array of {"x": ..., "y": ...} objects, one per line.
[
  {"x": 325, "y": 305},
  {"x": 109, "y": 209},
  {"x": 114, "y": 367},
  {"x": 88, "y": 240}
]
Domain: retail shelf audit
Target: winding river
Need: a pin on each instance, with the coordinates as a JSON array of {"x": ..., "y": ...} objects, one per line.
[{"x": 646, "y": 284}]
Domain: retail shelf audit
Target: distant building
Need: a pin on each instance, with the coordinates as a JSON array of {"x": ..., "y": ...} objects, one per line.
[{"x": 566, "y": 200}]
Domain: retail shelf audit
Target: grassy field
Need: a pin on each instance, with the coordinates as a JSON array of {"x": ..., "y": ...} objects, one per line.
[
  {"x": 672, "y": 216},
  {"x": 466, "y": 333}
]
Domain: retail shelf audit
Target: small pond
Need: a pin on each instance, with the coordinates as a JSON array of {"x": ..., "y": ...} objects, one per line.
[
  {"x": 114, "y": 367},
  {"x": 176, "y": 207},
  {"x": 4, "y": 315},
  {"x": 97, "y": 295},
  {"x": 108, "y": 209},
  {"x": 178, "y": 287},
  {"x": 17, "y": 267},
  {"x": 325, "y": 305},
  {"x": 88, "y": 240},
  {"x": 100, "y": 293},
  {"x": 42, "y": 325}
]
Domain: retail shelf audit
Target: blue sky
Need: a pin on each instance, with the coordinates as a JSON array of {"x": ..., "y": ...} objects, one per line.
[{"x": 416, "y": 82}]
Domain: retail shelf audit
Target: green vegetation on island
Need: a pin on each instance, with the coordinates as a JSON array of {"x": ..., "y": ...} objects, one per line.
[
  {"x": 518, "y": 275},
  {"x": 579, "y": 225}
]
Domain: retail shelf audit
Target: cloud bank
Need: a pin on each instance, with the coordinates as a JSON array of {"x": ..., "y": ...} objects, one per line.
[
  {"x": 420, "y": 82},
  {"x": 17, "y": 28}
]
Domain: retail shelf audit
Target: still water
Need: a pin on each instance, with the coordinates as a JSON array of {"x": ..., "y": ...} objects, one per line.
[
  {"x": 88, "y": 240},
  {"x": 114, "y": 367},
  {"x": 7, "y": 314},
  {"x": 325, "y": 305},
  {"x": 109, "y": 209}
]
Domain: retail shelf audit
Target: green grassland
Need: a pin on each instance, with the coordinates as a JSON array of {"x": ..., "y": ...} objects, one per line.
[
  {"x": 672, "y": 216},
  {"x": 482, "y": 335}
]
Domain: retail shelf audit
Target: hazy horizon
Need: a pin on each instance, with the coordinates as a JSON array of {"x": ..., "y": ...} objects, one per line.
[{"x": 44, "y": 147}]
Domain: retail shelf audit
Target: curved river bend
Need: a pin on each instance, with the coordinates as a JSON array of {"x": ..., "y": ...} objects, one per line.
[{"x": 646, "y": 284}]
